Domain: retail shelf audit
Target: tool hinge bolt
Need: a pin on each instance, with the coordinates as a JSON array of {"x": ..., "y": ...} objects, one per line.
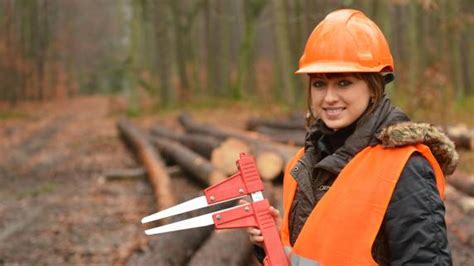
[
  {"x": 218, "y": 217},
  {"x": 212, "y": 198},
  {"x": 241, "y": 191},
  {"x": 247, "y": 208}
]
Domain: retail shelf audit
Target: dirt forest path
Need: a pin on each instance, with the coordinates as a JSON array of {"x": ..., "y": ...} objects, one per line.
[{"x": 56, "y": 208}]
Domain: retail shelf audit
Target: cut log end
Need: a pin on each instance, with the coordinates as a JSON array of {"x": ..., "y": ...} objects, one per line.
[
  {"x": 270, "y": 165},
  {"x": 225, "y": 156}
]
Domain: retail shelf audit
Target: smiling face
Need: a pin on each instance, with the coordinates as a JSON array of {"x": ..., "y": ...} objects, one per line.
[{"x": 339, "y": 99}]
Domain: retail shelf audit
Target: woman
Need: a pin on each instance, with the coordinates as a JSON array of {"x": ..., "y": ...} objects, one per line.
[{"x": 368, "y": 186}]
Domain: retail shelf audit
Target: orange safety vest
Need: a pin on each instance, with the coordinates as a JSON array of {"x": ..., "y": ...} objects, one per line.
[{"x": 342, "y": 227}]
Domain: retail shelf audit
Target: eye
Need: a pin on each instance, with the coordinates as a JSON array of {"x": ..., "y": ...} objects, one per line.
[
  {"x": 344, "y": 83},
  {"x": 318, "y": 84}
]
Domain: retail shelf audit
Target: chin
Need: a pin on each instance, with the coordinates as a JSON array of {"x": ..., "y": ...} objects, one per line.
[{"x": 335, "y": 125}]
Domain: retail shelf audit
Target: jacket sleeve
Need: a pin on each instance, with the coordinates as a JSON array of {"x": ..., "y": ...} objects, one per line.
[{"x": 414, "y": 224}]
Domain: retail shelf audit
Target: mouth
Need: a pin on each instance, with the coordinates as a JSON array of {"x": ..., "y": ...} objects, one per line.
[{"x": 334, "y": 111}]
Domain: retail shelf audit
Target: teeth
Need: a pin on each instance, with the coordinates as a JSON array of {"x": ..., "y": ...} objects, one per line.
[{"x": 334, "y": 110}]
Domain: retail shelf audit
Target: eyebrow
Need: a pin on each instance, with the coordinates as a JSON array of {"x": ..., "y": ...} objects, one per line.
[{"x": 330, "y": 76}]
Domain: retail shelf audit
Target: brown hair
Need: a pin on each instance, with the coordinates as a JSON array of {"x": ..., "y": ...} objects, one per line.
[{"x": 376, "y": 84}]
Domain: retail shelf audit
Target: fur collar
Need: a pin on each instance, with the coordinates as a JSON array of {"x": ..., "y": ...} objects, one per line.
[{"x": 407, "y": 133}]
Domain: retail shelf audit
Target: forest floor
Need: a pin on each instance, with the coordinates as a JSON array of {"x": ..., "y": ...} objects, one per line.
[{"x": 56, "y": 207}]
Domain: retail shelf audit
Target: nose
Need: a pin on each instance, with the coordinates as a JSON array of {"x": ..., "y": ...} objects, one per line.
[{"x": 331, "y": 95}]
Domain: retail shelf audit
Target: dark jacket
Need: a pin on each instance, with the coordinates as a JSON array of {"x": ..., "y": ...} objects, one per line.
[{"x": 414, "y": 229}]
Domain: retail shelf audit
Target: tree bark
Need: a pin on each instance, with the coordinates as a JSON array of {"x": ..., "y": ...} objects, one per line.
[
  {"x": 232, "y": 247},
  {"x": 227, "y": 247},
  {"x": 151, "y": 160},
  {"x": 203, "y": 145},
  {"x": 191, "y": 126},
  {"x": 258, "y": 145},
  {"x": 464, "y": 183},
  {"x": 199, "y": 168},
  {"x": 282, "y": 49},
  {"x": 163, "y": 59},
  {"x": 135, "y": 173},
  {"x": 176, "y": 248},
  {"x": 293, "y": 137},
  {"x": 254, "y": 122},
  {"x": 459, "y": 210},
  {"x": 462, "y": 137}
]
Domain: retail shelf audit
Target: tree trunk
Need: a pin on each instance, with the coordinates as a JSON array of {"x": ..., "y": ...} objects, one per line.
[
  {"x": 286, "y": 67},
  {"x": 286, "y": 136},
  {"x": 414, "y": 58},
  {"x": 232, "y": 247},
  {"x": 454, "y": 58},
  {"x": 464, "y": 183},
  {"x": 151, "y": 160},
  {"x": 180, "y": 45},
  {"x": 227, "y": 153},
  {"x": 459, "y": 211},
  {"x": 163, "y": 59},
  {"x": 295, "y": 123},
  {"x": 259, "y": 146},
  {"x": 462, "y": 137},
  {"x": 246, "y": 68},
  {"x": 193, "y": 163},
  {"x": 202, "y": 144},
  {"x": 176, "y": 248}
]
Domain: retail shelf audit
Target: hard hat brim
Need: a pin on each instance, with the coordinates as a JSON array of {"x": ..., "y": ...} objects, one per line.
[{"x": 341, "y": 67}]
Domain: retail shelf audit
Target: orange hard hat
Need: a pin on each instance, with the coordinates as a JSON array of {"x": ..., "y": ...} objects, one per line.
[{"x": 346, "y": 41}]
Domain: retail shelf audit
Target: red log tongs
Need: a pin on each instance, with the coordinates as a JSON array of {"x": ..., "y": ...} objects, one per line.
[{"x": 255, "y": 214}]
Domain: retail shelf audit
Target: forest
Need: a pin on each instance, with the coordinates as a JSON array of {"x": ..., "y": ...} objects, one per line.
[
  {"x": 173, "y": 53},
  {"x": 113, "y": 109}
]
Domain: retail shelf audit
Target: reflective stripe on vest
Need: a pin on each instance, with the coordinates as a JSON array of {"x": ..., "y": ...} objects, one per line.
[
  {"x": 296, "y": 260},
  {"x": 342, "y": 227}
]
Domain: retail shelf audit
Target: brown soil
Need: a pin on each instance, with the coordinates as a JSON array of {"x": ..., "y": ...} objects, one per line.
[{"x": 56, "y": 208}]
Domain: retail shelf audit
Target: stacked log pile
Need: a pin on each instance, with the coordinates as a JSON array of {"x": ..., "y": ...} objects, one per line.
[{"x": 205, "y": 154}]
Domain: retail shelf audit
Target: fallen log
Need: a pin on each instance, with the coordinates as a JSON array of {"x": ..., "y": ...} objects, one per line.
[
  {"x": 136, "y": 173},
  {"x": 462, "y": 137},
  {"x": 295, "y": 137},
  {"x": 464, "y": 183},
  {"x": 227, "y": 153},
  {"x": 227, "y": 247},
  {"x": 463, "y": 201},
  {"x": 259, "y": 147},
  {"x": 231, "y": 247},
  {"x": 202, "y": 144},
  {"x": 270, "y": 161},
  {"x": 461, "y": 251},
  {"x": 176, "y": 248},
  {"x": 152, "y": 162},
  {"x": 222, "y": 134},
  {"x": 269, "y": 164},
  {"x": 459, "y": 212},
  {"x": 297, "y": 123},
  {"x": 197, "y": 166}
]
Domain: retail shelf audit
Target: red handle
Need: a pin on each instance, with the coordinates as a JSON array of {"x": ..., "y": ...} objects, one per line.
[
  {"x": 272, "y": 243},
  {"x": 256, "y": 214},
  {"x": 245, "y": 181}
]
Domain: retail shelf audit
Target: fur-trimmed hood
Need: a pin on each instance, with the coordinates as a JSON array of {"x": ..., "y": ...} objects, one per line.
[
  {"x": 388, "y": 126},
  {"x": 407, "y": 133}
]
